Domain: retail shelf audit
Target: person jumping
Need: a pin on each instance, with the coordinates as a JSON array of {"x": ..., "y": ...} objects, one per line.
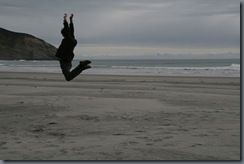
[{"x": 65, "y": 52}]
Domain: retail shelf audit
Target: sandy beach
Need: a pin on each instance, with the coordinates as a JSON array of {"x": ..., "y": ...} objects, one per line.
[{"x": 98, "y": 117}]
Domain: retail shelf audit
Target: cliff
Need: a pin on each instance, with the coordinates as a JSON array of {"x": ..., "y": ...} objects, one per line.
[{"x": 20, "y": 46}]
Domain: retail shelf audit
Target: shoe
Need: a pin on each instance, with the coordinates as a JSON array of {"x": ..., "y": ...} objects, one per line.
[
  {"x": 84, "y": 62},
  {"x": 86, "y": 67}
]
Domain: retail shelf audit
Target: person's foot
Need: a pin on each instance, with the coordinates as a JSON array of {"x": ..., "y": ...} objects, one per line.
[
  {"x": 86, "y": 67},
  {"x": 84, "y": 62}
]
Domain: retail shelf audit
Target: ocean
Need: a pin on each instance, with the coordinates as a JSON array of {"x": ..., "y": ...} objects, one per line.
[{"x": 176, "y": 67}]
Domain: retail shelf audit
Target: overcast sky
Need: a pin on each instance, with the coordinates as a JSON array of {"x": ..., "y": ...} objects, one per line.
[{"x": 156, "y": 28}]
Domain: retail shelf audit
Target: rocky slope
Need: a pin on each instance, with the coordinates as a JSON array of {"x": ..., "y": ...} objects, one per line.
[{"x": 20, "y": 46}]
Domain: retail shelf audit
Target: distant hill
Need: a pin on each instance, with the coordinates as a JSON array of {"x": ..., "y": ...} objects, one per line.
[{"x": 20, "y": 46}]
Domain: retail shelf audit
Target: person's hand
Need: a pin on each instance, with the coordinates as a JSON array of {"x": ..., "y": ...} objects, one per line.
[
  {"x": 65, "y": 16},
  {"x": 71, "y": 16}
]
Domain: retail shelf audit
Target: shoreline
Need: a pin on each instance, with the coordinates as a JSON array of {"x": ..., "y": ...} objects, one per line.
[
  {"x": 123, "y": 75},
  {"x": 194, "y": 67},
  {"x": 117, "y": 117}
]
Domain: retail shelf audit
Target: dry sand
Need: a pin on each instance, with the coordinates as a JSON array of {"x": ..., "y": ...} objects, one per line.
[{"x": 43, "y": 117}]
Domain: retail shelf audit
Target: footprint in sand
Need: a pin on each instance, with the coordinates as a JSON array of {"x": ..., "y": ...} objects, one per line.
[
  {"x": 3, "y": 143},
  {"x": 194, "y": 145},
  {"x": 168, "y": 137},
  {"x": 63, "y": 151},
  {"x": 57, "y": 134},
  {"x": 52, "y": 123}
]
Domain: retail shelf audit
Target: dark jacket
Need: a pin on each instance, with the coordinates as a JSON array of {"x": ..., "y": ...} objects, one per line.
[{"x": 65, "y": 50}]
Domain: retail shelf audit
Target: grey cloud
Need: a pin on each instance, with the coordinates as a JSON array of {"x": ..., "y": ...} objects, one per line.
[
  {"x": 177, "y": 23},
  {"x": 146, "y": 22}
]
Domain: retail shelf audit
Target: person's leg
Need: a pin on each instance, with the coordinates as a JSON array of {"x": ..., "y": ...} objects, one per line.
[
  {"x": 69, "y": 75},
  {"x": 66, "y": 67},
  {"x": 76, "y": 71}
]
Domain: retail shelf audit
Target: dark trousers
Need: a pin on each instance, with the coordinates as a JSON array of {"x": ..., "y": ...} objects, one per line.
[{"x": 66, "y": 67}]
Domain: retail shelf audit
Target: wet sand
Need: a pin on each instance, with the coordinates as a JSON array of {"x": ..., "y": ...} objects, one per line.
[{"x": 96, "y": 117}]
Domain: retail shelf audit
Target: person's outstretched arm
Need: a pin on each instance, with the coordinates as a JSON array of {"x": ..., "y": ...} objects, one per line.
[
  {"x": 71, "y": 26},
  {"x": 66, "y": 26}
]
